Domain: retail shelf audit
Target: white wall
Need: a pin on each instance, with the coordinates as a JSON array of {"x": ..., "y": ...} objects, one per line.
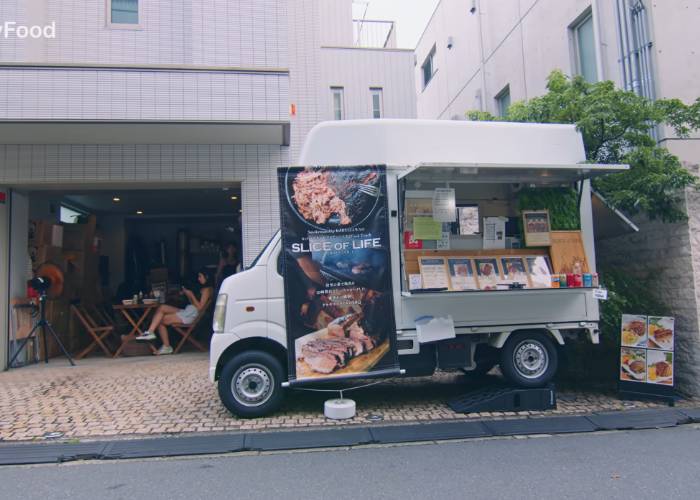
[
  {"x": 336, "y": 23},
  {"x": 523, "y": 41},
  {"x": 243, "y": 33},
  {"x": 356, "y": 70}
]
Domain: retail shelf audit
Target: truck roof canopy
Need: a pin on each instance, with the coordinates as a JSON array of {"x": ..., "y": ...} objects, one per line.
[{"x": 508, "y": 152}]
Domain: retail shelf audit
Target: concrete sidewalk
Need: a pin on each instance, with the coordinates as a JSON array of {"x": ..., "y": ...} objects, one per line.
[{"x": 172, "y": 395}]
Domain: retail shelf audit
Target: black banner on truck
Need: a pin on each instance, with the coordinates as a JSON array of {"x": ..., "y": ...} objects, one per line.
[{"x": 337, "y": 273}]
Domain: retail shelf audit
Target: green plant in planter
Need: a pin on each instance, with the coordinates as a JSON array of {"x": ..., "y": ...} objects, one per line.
[{"x": 562, "y": 204}]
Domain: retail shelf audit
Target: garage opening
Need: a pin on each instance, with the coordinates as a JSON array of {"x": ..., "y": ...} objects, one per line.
[{"x": 120, "y": 253}]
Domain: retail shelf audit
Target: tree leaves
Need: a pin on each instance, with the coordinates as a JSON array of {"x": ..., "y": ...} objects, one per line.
[{"x": 615, "y": 126}]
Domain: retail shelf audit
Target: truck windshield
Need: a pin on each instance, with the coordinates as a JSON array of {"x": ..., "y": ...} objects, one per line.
[{"x": 255, "y": 262}]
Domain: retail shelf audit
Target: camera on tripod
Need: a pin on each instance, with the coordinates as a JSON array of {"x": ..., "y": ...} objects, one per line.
[{"x": 41, "y": 284}]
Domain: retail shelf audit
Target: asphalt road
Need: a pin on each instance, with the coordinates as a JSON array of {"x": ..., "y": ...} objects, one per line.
[{"x": 638, "y": 464}]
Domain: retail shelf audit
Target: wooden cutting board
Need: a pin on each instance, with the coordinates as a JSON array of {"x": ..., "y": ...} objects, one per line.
[
  {"x": 567, "y": 249},
  {"x": 359, "y": 364}
]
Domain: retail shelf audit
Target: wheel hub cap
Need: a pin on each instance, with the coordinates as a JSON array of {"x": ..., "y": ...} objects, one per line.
[
  {"x": 531, "y": 359},
  {"x": 252, "y": 385}
]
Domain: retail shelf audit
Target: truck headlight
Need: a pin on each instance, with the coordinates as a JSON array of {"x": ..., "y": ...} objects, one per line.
[{"x": 219, "y": 323}]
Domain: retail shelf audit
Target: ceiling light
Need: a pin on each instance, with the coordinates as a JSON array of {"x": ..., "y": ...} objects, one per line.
[
  {"x": 116, "y": 199},
  {"x": 234, "y": 197},
  {"x": 139, "y": 212}
]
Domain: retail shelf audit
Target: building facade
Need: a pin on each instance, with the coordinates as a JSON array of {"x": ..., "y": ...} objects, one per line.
[
  {"x": 188, "y": 94},
  {"x": 479, "y": 55}
]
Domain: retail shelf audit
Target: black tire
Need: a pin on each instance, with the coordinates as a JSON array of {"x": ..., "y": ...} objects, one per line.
[
  {"x": 529, "y": 359},
  {"x": 258, "y": 391}
]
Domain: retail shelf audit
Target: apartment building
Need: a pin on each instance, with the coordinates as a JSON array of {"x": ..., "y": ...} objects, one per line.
[
  {"x": 167, "y": 122},
  {"x": 483, "y": 55}
]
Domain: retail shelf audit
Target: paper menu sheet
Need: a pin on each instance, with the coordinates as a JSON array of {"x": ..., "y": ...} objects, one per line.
[
  {"x": 433, "y": 272},
  {"x": 494, "y": 232},
  {"x": 444, "y": 205},
  {"x": 468, "y": 220},
  {"x": 426, "y": 228}
]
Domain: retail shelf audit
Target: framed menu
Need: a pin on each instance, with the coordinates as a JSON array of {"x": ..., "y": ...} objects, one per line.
[
  {"x": 540, "y": 270},
  {"x": 433, "y": 272},
  {"x": 462, "y": 275},
  {"x": 487, "y": 273},
  {"x": 514, "y": 271},
  {"x": 536, "y": 228}
]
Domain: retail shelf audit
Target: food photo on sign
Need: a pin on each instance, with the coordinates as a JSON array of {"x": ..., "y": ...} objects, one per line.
[
  {"x": 633, "y": 364},
  {"x": 338, "y": 301},
  {"x": 634, "y": 330},
  {"x": 660, "y": 334}
]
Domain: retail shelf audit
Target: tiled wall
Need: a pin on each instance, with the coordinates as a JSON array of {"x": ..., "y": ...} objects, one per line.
[
  {"x": 254, "y": 166},
  {"x": 243, "y": 33},
  {"x": 148, "y": 95}
]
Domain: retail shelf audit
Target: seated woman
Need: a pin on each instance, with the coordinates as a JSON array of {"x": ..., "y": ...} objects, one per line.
[{"x": 169, "y": 315}]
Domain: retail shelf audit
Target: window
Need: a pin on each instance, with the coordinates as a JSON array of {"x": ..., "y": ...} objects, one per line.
[
  {"x": 338, "y": 103},
  {"x": 636, "y": 48},
  {"x": 377, "y": 102},
  {"x": 124, "y": 12},
  {"x": 584, "y": 48},
  {"x": 503, "y": 101},
  {"x": 428, "y": 67}
]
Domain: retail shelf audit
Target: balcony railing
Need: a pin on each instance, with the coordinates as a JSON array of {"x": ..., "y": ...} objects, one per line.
[{"x": 372, "y": 33}]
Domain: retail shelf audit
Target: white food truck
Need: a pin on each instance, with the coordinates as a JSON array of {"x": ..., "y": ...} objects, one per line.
[{"x": 472, "y": 324}]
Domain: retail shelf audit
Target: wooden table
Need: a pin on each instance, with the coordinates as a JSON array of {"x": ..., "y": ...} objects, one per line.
[{"x": 135, "y": 314}]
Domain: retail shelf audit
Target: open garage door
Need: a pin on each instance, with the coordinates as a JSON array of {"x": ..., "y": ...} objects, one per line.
[{"x": 115, "y": 244}]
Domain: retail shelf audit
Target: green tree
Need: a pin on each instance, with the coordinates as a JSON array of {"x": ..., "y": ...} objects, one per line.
[{"x": 615, "y": 126}]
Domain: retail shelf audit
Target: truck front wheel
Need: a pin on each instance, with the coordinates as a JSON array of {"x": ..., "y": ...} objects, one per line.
[
  {"x": 529, "y": 359},
  {"x": 250, "y": 384}
]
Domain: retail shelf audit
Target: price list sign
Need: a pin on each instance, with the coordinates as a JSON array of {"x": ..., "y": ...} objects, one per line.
[{"x": 647, "y": 356}]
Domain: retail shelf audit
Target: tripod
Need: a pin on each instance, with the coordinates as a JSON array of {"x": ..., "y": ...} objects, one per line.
[{"x": 43, "y": 324}]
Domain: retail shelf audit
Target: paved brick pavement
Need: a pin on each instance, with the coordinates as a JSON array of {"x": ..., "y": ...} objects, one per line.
[{"x": 171, "y": 394}]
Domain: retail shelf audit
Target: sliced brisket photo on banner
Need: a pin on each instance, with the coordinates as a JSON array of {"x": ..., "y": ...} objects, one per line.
[{"x": 337, "y": 272}]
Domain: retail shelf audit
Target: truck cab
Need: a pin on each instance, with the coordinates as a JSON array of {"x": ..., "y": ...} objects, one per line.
[{"x": 486, "y": 165}]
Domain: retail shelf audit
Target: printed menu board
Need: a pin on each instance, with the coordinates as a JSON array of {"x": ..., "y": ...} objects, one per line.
[
  {"x": 462, "y": 275},
  {"x": 337, "y": 273},
  {"x": 433, "y": 272},
  {"x": 647, "y": 361}
]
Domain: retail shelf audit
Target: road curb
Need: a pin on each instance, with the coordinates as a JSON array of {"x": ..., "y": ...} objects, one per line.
[{"x": 59, "y": 452}]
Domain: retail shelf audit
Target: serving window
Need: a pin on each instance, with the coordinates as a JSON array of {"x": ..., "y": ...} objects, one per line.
[{"x": 483, "y": 235}]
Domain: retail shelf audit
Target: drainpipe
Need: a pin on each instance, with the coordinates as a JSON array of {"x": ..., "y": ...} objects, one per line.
[
  {"x": 600, "y": 69},
  {"x": 476, "y": 5}
]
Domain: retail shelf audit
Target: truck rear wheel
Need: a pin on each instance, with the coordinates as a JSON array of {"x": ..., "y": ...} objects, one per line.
[
  {"x": 250, "y": 384},
  {"x": 529, "y": 359}
]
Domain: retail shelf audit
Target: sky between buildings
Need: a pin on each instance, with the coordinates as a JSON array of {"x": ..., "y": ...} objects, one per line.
[{"x": 411, "y": 16}]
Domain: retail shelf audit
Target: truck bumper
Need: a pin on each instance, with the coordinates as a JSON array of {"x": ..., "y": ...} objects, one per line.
[{"x": 219, "y": 343}]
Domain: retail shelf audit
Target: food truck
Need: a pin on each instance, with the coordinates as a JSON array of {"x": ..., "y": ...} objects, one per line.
[{"x": 460, "y": 246}]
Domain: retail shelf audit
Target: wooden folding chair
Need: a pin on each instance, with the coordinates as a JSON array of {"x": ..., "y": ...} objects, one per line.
[
  {"x": 186, "y": 330},
  {"x": 98, "y": 331}
]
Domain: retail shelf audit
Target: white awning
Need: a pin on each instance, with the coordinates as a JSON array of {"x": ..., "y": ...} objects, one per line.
[
  {"x": 510, "y": 173},
  {"x": 143, "y": 132}
]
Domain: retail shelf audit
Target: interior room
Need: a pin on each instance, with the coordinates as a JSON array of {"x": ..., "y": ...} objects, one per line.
[{"x": 125, "y": 247}]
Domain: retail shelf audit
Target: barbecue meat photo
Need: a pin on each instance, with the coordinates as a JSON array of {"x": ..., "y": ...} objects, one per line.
[
  {"x": 663, "y": 369},
  {"x": 316, "y": 199},
  {"x": 637, "y": 366},
  {"x": 344, "y": 340}
]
